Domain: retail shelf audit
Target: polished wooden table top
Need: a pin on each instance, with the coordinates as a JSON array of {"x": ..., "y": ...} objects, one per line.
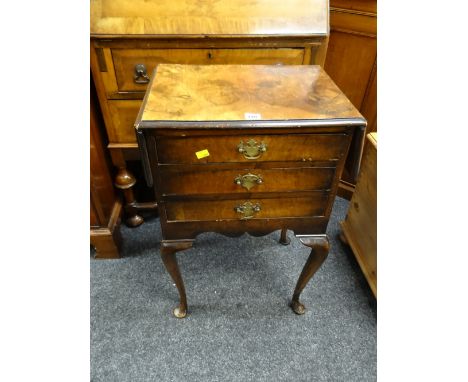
[
  {"x": 209, "y": 17},
  {"x": 244, "y": 92}
]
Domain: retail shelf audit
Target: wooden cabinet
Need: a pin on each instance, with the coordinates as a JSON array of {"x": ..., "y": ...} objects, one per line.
[
  {"x": 129, "y": 38},
  {"x": 352, "y": 63},
  {"x": 105, "y": 206},
  {"x": 359, "y": 229},
  {"x": 213, "y": 169}
]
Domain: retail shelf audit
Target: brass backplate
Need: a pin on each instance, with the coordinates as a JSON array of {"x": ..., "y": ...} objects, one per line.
[
  {"x": 251, "y": 149},
  {"x": 248, "y": 210},
  {"x": 248, "y": 180}
]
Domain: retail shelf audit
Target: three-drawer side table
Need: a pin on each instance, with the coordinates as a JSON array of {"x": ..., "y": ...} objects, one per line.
[
  {"x": 130, "y": 37},
  {"x": 245, "y": 148}
]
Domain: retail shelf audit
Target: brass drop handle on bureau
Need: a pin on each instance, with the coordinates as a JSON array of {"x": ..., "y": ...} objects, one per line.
[
  {"x": 248, "y": 210},
  {"x": 248, "y": 180},
  {"x": 252, "y": 149},
  {"x": 141, "y": 76}
]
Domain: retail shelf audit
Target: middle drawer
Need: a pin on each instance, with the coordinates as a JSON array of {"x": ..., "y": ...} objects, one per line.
[{"x": 195, "y": 181}]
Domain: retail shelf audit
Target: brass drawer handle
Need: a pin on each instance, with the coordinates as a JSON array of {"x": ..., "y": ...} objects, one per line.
[
  {"x": 141, "y": 77},
  {"x": 247, "y": 209},
  {"x": 252, "y": 149},
  {"x": 248, "y": 180}
]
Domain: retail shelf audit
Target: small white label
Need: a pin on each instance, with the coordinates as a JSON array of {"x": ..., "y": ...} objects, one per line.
[{"x": 253, "y": 116}]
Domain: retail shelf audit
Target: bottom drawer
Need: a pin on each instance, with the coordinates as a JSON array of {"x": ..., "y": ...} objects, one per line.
[{"x": 246, "y": 209}]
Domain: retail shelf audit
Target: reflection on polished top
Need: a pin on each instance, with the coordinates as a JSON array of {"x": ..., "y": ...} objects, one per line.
[
  {"x": 209, "y": 17},
  {"x": 244, "y": 92}
]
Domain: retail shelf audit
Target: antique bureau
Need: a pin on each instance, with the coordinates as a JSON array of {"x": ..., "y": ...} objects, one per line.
[
  {"x": 244, "y": 148},
  {"x": 129, "y": 38}
]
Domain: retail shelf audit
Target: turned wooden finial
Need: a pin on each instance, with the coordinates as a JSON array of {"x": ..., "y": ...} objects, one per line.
[{"x": 124, "y": 179}]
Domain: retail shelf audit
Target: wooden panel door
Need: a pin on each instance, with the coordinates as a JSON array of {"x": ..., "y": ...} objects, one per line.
[{"x": 352, "y": 62}]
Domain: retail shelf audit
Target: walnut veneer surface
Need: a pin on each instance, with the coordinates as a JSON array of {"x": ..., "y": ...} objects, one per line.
[
  {"x": 214, "y": 168},
  {"x": 209, "y": 17},
  {"x": 213, "y": 93}
]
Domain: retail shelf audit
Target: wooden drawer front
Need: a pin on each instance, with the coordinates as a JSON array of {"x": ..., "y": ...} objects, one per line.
[
  {"x": 297, "y": 147},
  {"x": 126, "y": 59},
  {"x": 223, "y": 181},
  {"x": 226, "y": 209},
  {"x": 123, "y": 114}
]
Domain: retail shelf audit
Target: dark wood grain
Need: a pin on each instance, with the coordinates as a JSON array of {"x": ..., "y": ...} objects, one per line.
[
  {"x": 192, "y": 181},
  {"x": 225, "y": 209}
]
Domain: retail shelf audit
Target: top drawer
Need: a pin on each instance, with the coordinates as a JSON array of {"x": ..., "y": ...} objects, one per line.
[
  {"x": 247, "y": 148},
  {"x": 125, "y": 60}
]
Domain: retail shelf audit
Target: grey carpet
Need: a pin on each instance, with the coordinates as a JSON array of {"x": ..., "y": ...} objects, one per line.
[{"x": 240, "y": 327}]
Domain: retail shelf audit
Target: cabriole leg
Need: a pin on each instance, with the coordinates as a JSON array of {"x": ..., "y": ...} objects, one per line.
[
  {"x": 320, "y": 247},
  {"x": 168, "y": 255}
]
